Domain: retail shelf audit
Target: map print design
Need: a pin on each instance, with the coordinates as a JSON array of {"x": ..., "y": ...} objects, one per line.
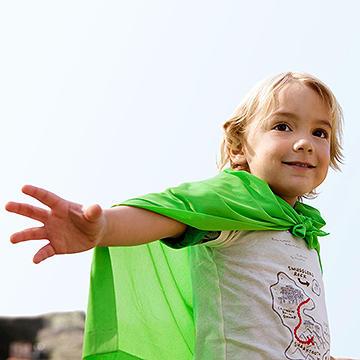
[{"x": 310, "y": 339}]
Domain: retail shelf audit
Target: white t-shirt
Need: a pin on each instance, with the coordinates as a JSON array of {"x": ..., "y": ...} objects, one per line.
[{"x": 259, "y": 295}]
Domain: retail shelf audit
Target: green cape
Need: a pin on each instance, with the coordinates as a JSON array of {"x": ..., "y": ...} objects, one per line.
[{"x": 140, "y": 301}]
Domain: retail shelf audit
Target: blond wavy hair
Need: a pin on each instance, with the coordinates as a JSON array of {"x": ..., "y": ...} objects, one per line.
[{"x": 261, "y": 101}]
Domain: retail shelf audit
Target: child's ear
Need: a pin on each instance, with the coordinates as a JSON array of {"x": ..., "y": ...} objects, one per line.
[{"x": 238, "y": 159}]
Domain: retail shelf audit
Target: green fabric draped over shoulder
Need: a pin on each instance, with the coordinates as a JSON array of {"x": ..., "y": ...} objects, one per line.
[{"x": 140, "y": 300}]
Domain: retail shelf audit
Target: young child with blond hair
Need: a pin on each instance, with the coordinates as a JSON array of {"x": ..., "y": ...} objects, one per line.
[{"x": 237, "y": 273}]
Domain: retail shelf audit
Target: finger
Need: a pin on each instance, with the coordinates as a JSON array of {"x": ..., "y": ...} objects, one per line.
[
  {"x": 46, "y": 197},
  {"x": 27, "y": 210},
  {"x": 93, "y": 212},
  {"x": 44, "y": 253},
  {"x": 36, "y": 233}
]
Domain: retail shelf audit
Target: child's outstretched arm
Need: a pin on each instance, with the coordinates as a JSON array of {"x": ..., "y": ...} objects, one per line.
[{"x": 70, "y": 228}]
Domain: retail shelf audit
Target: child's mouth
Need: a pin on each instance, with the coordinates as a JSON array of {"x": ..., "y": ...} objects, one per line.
[{"x": 299, "y": 164}]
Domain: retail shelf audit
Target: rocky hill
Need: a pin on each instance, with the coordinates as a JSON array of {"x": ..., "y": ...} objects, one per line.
[{"x": 56, "y": 336}]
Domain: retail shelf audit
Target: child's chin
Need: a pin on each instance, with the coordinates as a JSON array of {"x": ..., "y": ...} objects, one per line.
[{"x": 292, "y": 195}]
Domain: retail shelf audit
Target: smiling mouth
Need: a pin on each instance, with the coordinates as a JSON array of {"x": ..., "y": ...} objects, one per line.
[{"x": 299, "y": 164}]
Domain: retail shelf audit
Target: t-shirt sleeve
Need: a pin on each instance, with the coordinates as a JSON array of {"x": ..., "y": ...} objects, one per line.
[{"x": 191, "y": 236}]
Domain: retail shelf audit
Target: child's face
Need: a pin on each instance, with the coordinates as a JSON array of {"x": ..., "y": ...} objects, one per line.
[{"x": 290, "y": 150}]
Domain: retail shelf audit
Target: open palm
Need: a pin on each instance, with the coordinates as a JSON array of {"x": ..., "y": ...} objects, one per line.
[{"x": 68, "y": 227}]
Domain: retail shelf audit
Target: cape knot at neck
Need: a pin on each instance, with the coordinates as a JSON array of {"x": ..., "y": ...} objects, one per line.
[{"x": 305, "y": 230}]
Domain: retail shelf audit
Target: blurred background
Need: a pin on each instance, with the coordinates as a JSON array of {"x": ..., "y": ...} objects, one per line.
[{"x": 104, "y": 100}]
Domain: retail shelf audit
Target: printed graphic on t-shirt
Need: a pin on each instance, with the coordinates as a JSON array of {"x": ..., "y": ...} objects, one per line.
[{"x": 296, "y": 308}]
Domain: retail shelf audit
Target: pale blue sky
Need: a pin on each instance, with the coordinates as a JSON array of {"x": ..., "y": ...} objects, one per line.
[{"x": 104, "y": 100}]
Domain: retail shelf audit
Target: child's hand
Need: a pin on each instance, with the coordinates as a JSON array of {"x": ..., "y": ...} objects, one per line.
[{"x": 68, "y": 227}]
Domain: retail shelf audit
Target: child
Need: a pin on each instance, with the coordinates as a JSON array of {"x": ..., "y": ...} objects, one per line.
[{"x": 240, "y": 267}]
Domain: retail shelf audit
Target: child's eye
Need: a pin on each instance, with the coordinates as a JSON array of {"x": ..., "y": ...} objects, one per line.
[
  {"x": 282, "y": 127},
  {"x": 321, "y": 133}
]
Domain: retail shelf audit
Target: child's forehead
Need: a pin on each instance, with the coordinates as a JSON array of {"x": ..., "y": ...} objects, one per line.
[
  {"x": 294, "y": 93},
  {"x": 299, "y": 99}
]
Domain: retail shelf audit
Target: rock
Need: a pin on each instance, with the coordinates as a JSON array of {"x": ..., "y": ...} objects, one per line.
[{"x": 56, "y": 336}]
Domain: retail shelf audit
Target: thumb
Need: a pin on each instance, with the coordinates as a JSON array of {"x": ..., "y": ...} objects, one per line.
[
  {"x": 93, "y": 213},
  {"x": 44, "y": 253}
]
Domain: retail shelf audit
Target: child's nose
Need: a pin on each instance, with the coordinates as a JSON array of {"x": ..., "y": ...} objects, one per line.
[{"x": 303, "y": 145}]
